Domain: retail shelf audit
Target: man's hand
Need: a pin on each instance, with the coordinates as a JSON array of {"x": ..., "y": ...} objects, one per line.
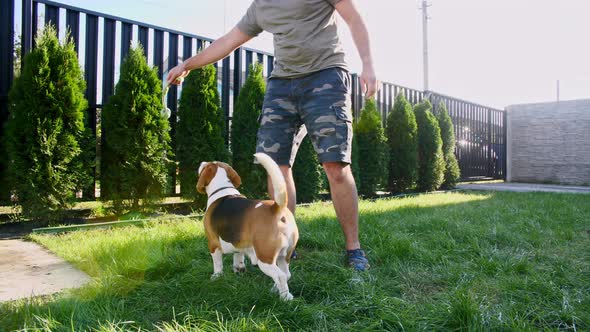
[
  {"x": 177, "y": 74},
  {"x": 351, "y": 16},
  {"x": 368, "y": 82}
]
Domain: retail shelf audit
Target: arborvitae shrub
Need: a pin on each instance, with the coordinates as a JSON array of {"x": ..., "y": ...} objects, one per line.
[
  {"x": 452, "y": 171},
  {"x": 200, "y": 131},
  {"x": 243, "y": 132},
  {"x": 307, "y": 173},
  {"x": 371, "y": 144},
  {"x": 402, "y": 140},
  {"x": 431, "y": 163},
  {"x": 46, "y": 141},
  {"x": 136, "y": 146}
]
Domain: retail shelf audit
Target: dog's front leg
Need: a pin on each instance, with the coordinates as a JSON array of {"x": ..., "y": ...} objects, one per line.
[
  {"x": 217, "y": 256},
  {"x": 284, "y": 266},
  {"x": 239, "y": 265},
  {"x": 252, "y": 255},
  {"x": 279, "y": 277}
]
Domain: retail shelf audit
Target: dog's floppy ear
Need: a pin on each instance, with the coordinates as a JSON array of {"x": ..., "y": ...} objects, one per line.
[
  {"x": 232, "y": 175},
  {"x": 207, "y": 173}
]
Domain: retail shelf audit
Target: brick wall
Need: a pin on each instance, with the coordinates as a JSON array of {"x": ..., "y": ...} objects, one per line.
[{"x": 549, "y": 142}]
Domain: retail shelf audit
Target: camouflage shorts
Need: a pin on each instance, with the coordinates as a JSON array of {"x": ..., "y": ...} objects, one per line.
[{"x": 320, "y": 103}]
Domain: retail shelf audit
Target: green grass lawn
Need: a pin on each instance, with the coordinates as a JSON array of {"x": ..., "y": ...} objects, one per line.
[{"x": 456, "y": 261}]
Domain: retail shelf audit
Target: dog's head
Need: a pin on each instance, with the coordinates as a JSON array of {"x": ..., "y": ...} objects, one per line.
[{"x": 216, "y": 170}]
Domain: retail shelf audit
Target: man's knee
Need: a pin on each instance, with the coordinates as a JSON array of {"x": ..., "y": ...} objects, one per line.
[{"x": 337, "y": 172}]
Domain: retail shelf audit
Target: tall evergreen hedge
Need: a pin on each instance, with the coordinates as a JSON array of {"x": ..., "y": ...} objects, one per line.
[
  {"x": 452, "y": 171},
  {"x": 402, "y": 140},
  {"x": 431, "y": 163},
  {"x": 371, "y": 145},
  {"x": 307, "y": 173},
  {"x": 136, "y": 146},
  {"x": 46, "y": 141},
  {"x": 200, "y": 131},
  {"x": 244, "y": 128}
]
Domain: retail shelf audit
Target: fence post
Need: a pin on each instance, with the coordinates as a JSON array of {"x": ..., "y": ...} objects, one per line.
[
  {"x": 126, "y": 37},
  {"x": 225, "y": 90},
  {"x": 90, "y": 75},
  {"x": 143, "y": 35},
  {"x": 108, "y": 76},
  {"x": 52, "y": 16},
  {"x": 6, "y": 60},
  {"x": 506, "y": 143},
  {"x": 489, "y": 157},
  {"x": 73, "y": 25},
  {"x": 27, "y": 28},
  {"x": 237, "y": 73},
  {"x": 354, "y": 97}
]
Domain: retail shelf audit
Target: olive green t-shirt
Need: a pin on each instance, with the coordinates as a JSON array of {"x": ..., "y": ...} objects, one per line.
[{"x": 305, "y": 34}]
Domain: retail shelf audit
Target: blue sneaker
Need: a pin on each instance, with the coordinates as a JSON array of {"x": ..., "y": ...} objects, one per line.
[{"x": 357, "y": 259}]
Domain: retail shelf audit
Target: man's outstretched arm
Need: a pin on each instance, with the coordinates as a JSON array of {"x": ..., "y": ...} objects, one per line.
[
  {"x": 218, "y": 50},
  {"x": 360, "y": 35}
]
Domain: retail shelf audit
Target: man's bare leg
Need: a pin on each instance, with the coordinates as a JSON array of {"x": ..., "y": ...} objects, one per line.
[{"x": 345, "y": 200}]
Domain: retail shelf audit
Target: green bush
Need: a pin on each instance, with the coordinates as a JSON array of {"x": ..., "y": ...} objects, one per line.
[
  {"x": 371, "y": 144},
  {"x": 46, "y": 141},
  {"x": 307, "y": 173},
  {"x": 136, "y": 146},
  {"x": 431, "y": 163},
  {"x": 452, "y": 171},
  {"x": 200, "y": 131},
  {"x": 402, "y": 139},
  {"x": 244, "y": 128}
]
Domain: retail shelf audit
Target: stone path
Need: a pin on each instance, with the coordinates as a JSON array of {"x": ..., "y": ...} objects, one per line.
[
  {"x": 27, "y": 269},
  {"x": 525, "y": 187}
]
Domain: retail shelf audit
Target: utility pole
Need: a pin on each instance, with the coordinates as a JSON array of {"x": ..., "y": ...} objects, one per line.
[{"x": 424, "y": 9}]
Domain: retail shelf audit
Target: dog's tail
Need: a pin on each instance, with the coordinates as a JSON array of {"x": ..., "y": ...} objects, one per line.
[{"x": 276, "y": 176}]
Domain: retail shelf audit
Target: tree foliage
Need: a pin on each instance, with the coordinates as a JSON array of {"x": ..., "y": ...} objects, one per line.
[
  {"x": 307, "y": 173},
  {"x": 431, "y": 163},
  {"x": 452, "y": 171},
  {"x": 200, "y": 131},
  {"x": 244, "y": 129},
  {"x": 402, "y": 139},
  {"x": 46, "y": 141},
  {"x": 371, "y": 145},
  {"x": 136, "y": 141}
]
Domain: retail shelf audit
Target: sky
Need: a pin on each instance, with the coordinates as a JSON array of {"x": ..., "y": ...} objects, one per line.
[{"x": 492, "y": 52}]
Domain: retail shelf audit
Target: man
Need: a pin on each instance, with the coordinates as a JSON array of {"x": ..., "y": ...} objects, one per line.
[{"x": 309, "y": 85}]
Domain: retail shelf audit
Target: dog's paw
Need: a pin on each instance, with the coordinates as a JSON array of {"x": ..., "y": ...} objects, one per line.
[
  {"x": 215, "y": 276},
  {"x": 240, "y": 269},
  {"x": 287, "y": 297}
]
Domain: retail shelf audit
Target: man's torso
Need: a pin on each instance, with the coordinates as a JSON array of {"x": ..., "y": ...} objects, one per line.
[{"x": 305, "y": 34}]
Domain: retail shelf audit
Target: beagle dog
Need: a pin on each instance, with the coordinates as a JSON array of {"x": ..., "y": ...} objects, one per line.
[{"x": 264, "y": 230}]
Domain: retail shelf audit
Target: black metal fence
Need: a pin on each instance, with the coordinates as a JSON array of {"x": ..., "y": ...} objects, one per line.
[
  {"x": 480, "y": 130},
  {"x": 103, "y": 41}
]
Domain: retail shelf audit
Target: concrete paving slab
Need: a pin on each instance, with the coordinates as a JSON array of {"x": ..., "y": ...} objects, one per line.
[
  {"x": 525, "y": 187},
  {"x": 27, "y": 269}
]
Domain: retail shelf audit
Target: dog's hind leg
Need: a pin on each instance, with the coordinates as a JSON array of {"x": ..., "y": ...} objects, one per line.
[
  {"x": 217, "y": 263},
  {"x": 239, "y": 265},
  {"x": 279, "y": 277}
]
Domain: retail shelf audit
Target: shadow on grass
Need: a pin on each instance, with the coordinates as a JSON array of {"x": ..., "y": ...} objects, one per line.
[{"x": 477, "y": 261}]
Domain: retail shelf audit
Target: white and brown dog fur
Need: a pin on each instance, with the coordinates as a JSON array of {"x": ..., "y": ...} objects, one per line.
[{"x": 265, "y": 230}]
